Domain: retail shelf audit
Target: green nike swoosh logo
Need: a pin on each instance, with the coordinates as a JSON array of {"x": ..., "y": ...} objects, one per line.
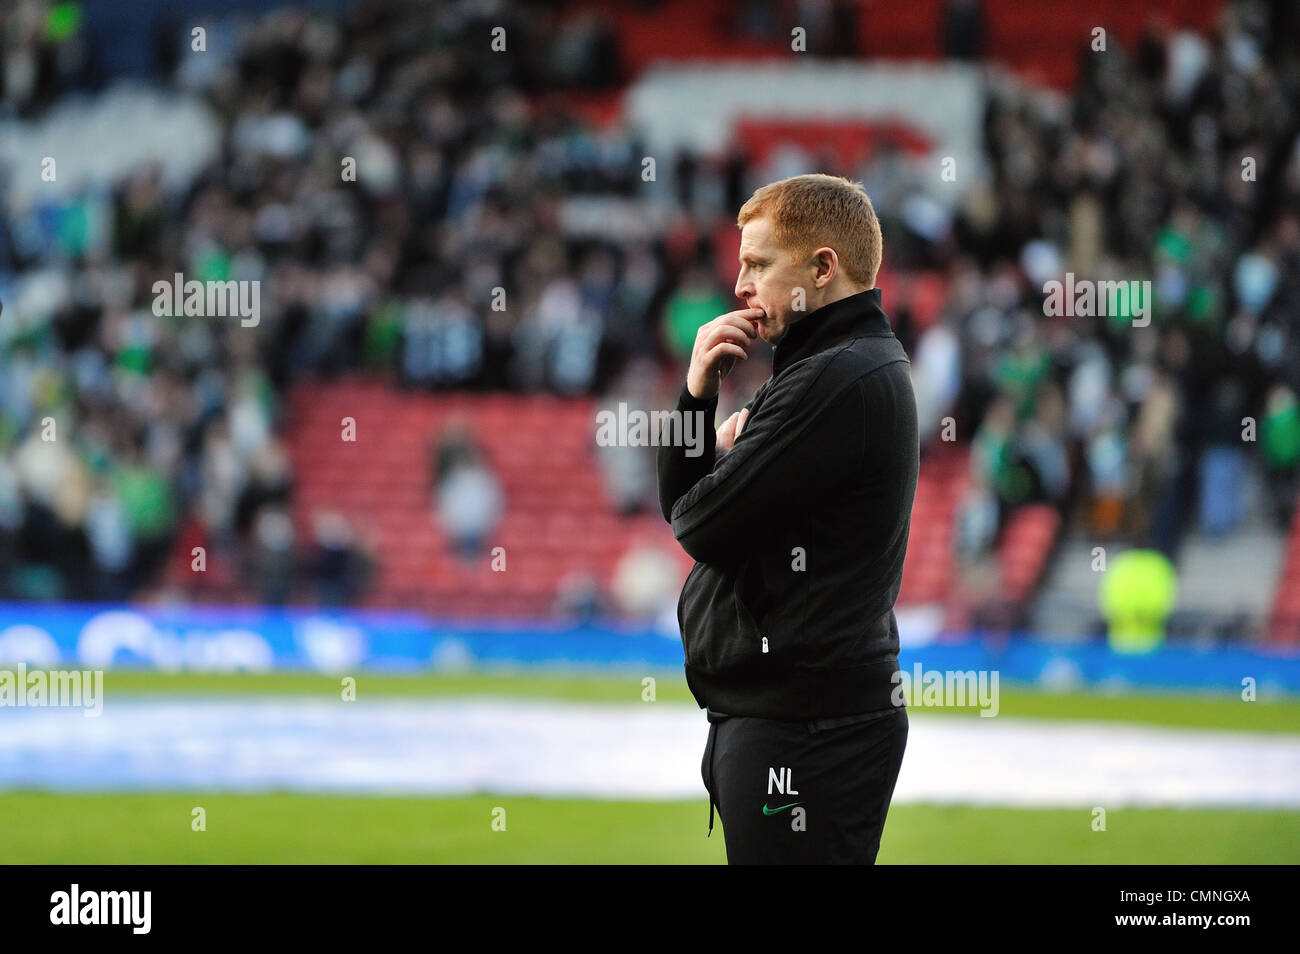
[{"x": 773, "y": 811}]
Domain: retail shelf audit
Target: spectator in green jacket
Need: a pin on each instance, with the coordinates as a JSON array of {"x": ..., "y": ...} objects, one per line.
[{"x": 1279, "y": 435}]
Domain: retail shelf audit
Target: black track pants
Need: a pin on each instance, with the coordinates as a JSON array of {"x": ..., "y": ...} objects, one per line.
[{"x": 803, "y": 792}]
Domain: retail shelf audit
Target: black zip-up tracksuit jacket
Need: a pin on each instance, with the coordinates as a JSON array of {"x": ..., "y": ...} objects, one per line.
[{"x": 799, "y": 531}]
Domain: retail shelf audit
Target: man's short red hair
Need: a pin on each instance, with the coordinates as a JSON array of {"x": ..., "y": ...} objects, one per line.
[{"x": 811, "y": 211}]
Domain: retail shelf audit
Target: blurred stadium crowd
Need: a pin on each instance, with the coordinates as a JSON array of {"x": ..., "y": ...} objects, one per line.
[{"x": 462, "y": 159}]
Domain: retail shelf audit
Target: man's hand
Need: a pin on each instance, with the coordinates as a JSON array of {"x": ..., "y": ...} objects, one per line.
[
  {"x": 731, "y": 429},
  {"x": 717, "y": 346}
]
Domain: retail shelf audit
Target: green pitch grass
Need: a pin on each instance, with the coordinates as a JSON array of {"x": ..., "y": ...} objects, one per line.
[
  {"x": 44, "y": 828},
  {"x": 290, "y": 829}
]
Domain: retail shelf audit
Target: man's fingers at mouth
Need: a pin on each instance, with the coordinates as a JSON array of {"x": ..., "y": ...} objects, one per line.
[
  {"x": 740, "y": 336},
  {"x": 744, "y": 320},
  {"x": 725, "y": 348}
]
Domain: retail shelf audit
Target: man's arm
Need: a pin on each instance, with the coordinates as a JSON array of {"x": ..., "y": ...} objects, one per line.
[
  {"x": 677, "y": 471},
  {"x": 796, "y": 447},
  {"x": 718, "y": 345}
]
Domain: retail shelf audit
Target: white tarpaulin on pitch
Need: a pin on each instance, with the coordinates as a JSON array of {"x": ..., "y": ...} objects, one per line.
[{"x": 647, "y": 750}]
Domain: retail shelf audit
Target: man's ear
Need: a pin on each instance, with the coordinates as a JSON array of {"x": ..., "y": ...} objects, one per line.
[{"x": 828, "y": 264}]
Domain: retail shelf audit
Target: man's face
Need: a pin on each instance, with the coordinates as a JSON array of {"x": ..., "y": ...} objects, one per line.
[{"x": 769, "y": 274}]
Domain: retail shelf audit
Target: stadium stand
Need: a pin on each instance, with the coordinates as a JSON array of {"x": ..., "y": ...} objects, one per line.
[{"x": 522, "y": 173}]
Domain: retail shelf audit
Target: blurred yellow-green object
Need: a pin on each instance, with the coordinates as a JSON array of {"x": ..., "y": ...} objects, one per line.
[{"x": 1137, "y": 594}]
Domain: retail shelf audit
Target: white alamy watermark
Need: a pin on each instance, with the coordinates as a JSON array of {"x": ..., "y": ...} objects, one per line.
[
  {"x": 196, "y": 299},
  {"x": 637, "y": 428},
  {"x": 1084, "y": 298},
  {"x": 75, "y": 906},
  {"x": 947, "y": 688},
  {"x": 55, "y": 688}
]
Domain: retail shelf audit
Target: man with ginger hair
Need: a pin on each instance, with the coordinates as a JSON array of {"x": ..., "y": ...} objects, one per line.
[{"x": 797, "y": 515}]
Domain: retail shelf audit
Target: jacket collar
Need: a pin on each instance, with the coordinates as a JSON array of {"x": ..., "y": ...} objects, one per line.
[{"x": 830, "y": 325}]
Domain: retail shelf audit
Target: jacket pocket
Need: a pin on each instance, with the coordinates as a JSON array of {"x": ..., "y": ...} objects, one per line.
[
  {"x": 749, "y": 608},
  {"x": 719, "y": 634},
  {"x": 772, "y": 600}
]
